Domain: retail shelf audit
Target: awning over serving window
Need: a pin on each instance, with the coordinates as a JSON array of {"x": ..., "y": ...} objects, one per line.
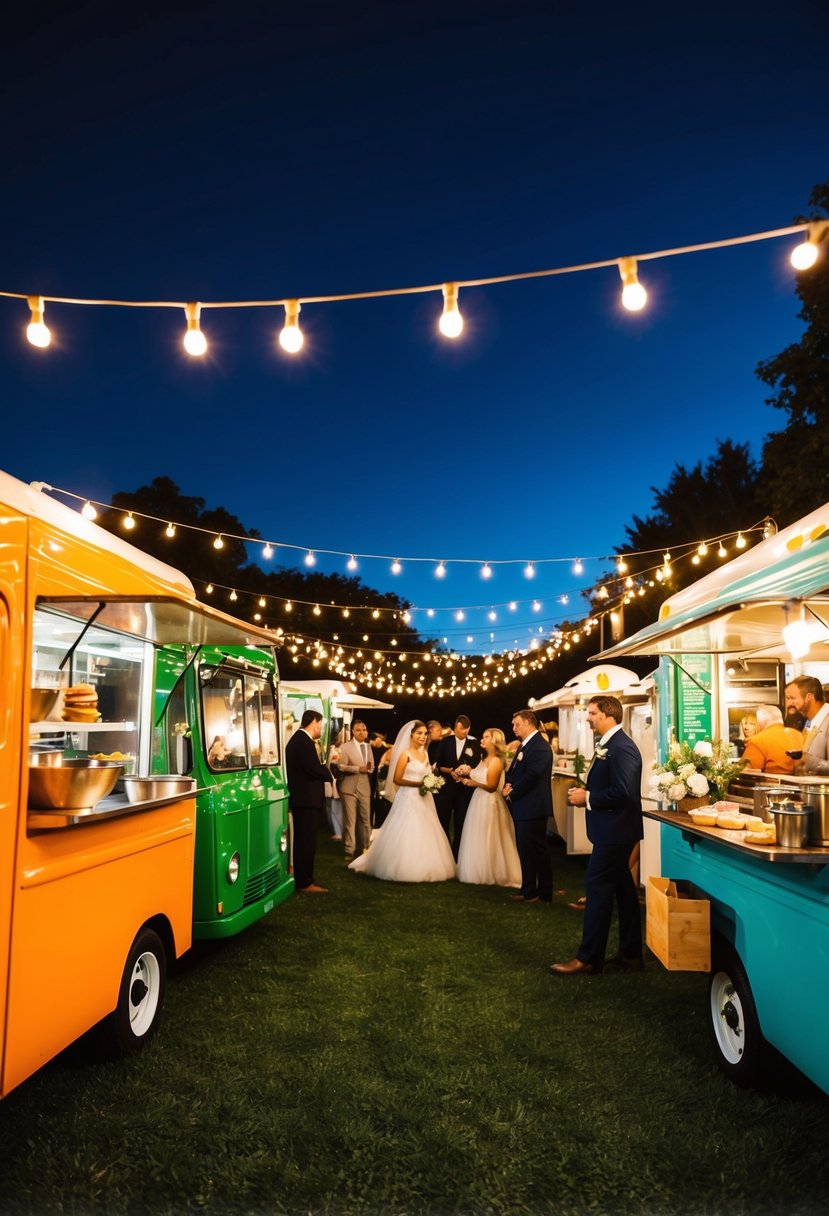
[
  {"x": 607, "y": 678},
  {"x": 743, "y": 607}
]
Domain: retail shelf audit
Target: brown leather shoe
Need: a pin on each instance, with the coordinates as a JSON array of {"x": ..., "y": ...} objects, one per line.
[
  {"x": 621, "y": 960},
  {"x": 312, "y": 889},
  {"x": 579, "y": 905},
  {"x": 574, "y": 967}
]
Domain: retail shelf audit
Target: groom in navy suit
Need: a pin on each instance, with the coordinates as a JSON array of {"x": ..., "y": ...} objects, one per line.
[
  {"x": 614, "y": 824},
  {"x": 528, "y": 790}
]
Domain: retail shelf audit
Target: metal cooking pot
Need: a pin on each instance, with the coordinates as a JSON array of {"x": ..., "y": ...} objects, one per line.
[
  {"x": 792, "y": 825},
  {"x": 771, "y": 797},
  {"x": 817, "y": 797}
]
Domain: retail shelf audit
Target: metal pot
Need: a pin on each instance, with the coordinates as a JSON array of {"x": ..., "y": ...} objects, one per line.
[
  {"x": 771, "y": 797},
  {"x": 817, "y": 797},
  {"x": 792, "y": 825}
]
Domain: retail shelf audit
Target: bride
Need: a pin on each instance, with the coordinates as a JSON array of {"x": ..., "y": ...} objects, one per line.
[
  {"x": 411, "y": 846},
  {"x": 488, "y": 853}
]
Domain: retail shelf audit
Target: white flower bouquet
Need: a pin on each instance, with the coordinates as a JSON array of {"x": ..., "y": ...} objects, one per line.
[
  {"x": 695, "y": 772},
  {"x": 430, "y": 784}
]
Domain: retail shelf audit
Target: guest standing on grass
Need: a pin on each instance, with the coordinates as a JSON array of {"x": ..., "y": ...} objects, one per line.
[
  {"x": 307, "y": 777},
  {"x": 456, "y": 755},
  {"x": 614, "y": 825},
  {"x": 529, "y": 793},
  {"x": 356, "y": 765}
]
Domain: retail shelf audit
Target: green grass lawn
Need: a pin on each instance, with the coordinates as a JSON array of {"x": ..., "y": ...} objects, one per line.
[{"x": 389, "y": 1048}]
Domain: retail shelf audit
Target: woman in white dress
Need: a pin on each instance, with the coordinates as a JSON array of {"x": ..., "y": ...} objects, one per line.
[
  {"x": 411, "y": 846},
  {"x": 488, "y": 853}
]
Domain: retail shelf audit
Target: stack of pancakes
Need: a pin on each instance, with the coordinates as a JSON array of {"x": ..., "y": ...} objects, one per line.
[{"x": 80, "y": 703}]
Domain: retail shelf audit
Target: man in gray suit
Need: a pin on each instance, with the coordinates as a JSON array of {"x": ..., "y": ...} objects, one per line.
[{"x": 355, "y": 765}]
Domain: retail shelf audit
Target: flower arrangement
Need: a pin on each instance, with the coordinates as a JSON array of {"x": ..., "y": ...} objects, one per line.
[
  {"x": 706, "y": 768},
  {"x": 430, "y": 784}
]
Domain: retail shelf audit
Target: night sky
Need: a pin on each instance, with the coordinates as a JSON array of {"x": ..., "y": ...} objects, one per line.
[{"x": 229, "y": 152}]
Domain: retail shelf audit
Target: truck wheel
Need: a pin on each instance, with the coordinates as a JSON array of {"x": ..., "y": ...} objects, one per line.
[
  {"x": 735, "y": 1028},
  {"x": 140, "y": 997}
]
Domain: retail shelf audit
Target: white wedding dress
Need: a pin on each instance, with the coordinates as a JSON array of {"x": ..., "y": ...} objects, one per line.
[
  {"x": 411, "y": 846},
  {"x": 488, "y": 853}
]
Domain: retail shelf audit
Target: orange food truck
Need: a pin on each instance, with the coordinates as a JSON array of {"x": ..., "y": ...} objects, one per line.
[{"x": 96, "y": 892}]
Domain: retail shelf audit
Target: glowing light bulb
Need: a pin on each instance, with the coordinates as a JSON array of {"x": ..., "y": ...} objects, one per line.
[
  {"x": 634, "y": 296},
  {"x": 317, "y": 610},
  {"x": 88, "y": 511},
  {"x": 267, "y": 551},
  {"x": 451, "y": 321},
  {"x": 170, "y": 530},
  {"x": 486, "y": 570},
  {"x": 703, "y": 549},
  {"x": 459, "y": 616},
  {"x": 129, "y": 522},
  {"x": 218, "y": 543},
  {"x": 290, "y": 337},
  {"x": 440, "y": 570},
  {"x": 492, "y": 614},
  {"x": 396, "y": 567},
  {"x": 262, "y": 601},
  {"x": 209, "y": 588},
  {"x": 804, "y": 256},
  {"x": 310, "y": 559},
  {"x": 722, "y": 551},
  {"x": 289, "y": 606},
  {"x": 536, "y": 606},
  {"x": 376, "y": 614},
  {"x": 233, "y": 597},
  {"x": 529, "y": 570},
  {"x": 195, "y": 342},
  {"x": 621, "y": 566},
  {"x": 512, "y": 605},
  {"x": 740, "y": 542},
  {"x": 352, "y": 563},
  {"x": 578, "y": 567},
  {"x": 38, "y": 331}
]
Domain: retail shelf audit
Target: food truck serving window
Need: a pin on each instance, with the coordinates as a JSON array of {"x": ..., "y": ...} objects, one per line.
[{"x": 239, "y": 719}]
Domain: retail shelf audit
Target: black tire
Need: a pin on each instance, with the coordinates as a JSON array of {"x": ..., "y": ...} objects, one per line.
[
  {"x": 135, "y": 1018},
  {"x": 741, "y": 1051}
]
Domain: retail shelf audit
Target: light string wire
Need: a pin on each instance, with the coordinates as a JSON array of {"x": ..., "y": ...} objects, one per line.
[
  {"x": 486, "y": 281},
  {"x": 623, "y": 556}
]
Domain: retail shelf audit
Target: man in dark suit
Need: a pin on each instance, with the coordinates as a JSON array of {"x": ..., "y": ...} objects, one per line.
[
  {"x": 614, "y": 825},
  {"x": 529, "y": 792},
  {"x": 306, "y": 776},
  {"x": 455, "y": 756}
]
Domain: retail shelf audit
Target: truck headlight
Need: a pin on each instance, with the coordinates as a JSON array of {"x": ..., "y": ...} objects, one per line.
[
  {"x": 233, "y": 868},
  {"x": 283, "y": 842}
]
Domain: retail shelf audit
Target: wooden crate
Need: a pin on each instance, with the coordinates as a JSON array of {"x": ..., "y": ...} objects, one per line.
[{"x": 678, "y": 926}]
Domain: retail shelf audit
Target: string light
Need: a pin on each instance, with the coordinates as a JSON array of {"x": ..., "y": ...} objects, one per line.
[
  {"x": 634, "y": 296},
  {"x": 129, "y": 522},
  {"x": 578, "y": 567},
  {"x": 804, "y": 256},
  {"x": 88, "y": 511},
  {"x": 529, "y": 570},
  {"x": 218, "y": 543},
  {"x": 740, "y": 542},
  {"x": 451, "y": 321},
  {"x": 396, "y": 567},
  {"x": 486, "y": 570},
  {"x": 38, "y": 331},
  {"x": 195, "y": 342},
  {"x": 352, "y": 562},
  {"x": 290, "y": 336},
  {"x": 267, "y": 551},
  {"x": 170, "y": 531},
  {"x": 310, "y": 559},
  {"x": 440, "y": 570}
]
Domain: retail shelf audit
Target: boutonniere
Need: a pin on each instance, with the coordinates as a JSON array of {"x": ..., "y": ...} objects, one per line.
[
  {"x": 601, "y": 752},
  {"x": 520, "y": 756},
  {"x": 467, "y": 751}
]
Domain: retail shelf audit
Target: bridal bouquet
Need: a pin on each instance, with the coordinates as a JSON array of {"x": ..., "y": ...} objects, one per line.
[
  {"x": 430, "y": 784},
  {"x": 705, "y": 768}
]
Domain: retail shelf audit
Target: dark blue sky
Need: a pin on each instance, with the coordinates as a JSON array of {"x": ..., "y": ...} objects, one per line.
[{"x": 220, "y": 151}]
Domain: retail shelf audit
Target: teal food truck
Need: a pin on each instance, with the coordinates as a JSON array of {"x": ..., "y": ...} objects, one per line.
[
  {"x": 734, "y": 639},
  {"x": 216, "y": 721}
]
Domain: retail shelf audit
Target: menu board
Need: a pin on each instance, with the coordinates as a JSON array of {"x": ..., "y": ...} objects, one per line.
[{"x": 693, "y": 697}]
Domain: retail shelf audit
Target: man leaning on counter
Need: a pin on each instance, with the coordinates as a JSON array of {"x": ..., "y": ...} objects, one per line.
[{"x": 806, "y": 694}]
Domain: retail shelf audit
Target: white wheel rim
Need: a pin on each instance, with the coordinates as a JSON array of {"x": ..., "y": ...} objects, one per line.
[
  {"x": 143, "y": 1006},
  {"x": 731, "y": 1039}
]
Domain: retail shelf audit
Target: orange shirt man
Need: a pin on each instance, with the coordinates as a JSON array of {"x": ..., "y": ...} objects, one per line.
[{"x": 767, "y": 749}]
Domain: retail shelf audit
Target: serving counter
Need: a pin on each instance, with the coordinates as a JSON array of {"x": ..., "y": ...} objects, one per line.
[{"x": 112, "y": 807}]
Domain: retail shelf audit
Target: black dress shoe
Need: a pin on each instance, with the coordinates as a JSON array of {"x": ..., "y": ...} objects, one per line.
[
  {"x": 523, "y": 899},
  {"x": 627, "y": 964}
]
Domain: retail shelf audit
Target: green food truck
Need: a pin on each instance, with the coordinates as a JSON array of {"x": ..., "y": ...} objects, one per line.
[{"x": 216, "y": 720}]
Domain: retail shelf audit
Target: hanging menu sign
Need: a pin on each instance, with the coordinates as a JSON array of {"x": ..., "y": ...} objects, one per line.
[{"x": 693, "y": 697}]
